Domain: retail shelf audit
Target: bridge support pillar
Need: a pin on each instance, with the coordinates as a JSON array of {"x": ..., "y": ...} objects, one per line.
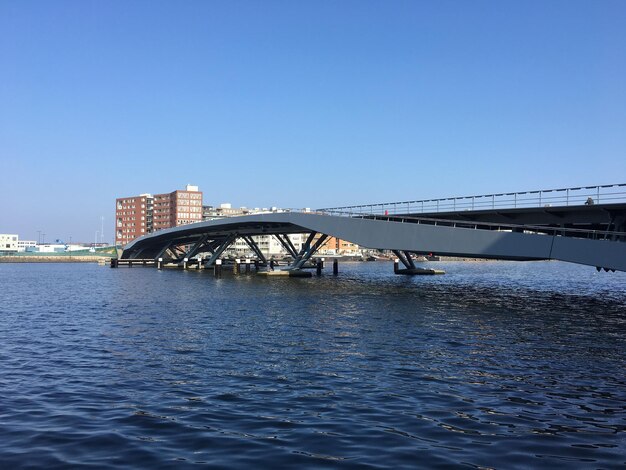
[
  {"x": 410, "y": 268},
  {"x": 335, "y": 267}
]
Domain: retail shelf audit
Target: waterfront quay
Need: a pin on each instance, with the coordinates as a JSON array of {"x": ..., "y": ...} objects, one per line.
[{"x": 54, "y": 259}]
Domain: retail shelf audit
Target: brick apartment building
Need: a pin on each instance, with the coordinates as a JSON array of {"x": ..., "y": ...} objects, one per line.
[{"x": 137, "y": 215}]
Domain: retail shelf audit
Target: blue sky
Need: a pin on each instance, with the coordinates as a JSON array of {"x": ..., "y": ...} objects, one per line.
[{"x": 301, "y": 104}]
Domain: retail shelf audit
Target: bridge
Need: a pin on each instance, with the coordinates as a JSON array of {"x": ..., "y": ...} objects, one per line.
[{"x": 585, "y": 225}]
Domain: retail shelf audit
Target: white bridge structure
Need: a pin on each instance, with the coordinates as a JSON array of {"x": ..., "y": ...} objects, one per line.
[{"x": 585, "y": 225}]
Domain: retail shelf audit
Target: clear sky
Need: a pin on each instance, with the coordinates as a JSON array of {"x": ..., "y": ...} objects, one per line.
[{"x": 301, "y": 104}]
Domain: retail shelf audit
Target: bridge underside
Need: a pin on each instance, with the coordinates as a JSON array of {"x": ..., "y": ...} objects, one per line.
[{"x": 210, "y": 239}]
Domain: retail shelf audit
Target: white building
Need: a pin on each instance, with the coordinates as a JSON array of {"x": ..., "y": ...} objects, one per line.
[
  {"x": 23, "y": 245},
  {"x": 47, "y": 248},
  {"x": 76, "y": 248},
  {"x": 8, "y": 242},
  {"x": 268, "y": 244}
]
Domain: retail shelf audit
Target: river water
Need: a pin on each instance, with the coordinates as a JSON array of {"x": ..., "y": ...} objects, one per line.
[{"x": 495, "y": 364}]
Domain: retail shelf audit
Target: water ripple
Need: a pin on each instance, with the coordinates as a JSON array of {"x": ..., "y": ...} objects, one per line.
[{"x": 497, "y": 364}]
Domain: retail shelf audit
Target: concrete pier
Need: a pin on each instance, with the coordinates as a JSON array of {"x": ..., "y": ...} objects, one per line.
[
  {"x": 419, "y": 271},
  {"x": 414, "y": 271}
]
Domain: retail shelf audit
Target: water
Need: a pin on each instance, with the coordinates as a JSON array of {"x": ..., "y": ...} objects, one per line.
[{"x": 495, "y": 364}]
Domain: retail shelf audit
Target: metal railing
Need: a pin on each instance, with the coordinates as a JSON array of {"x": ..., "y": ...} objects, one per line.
[{"x": 584, "y": 195}]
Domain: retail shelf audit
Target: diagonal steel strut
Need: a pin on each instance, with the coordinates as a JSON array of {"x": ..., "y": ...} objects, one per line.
[
  {"x": 220, "y": 249},
  {"x": 287, "y": 244},
  {"x": 254, "y": 247},
  {"x": 196, "y": 247},
  {"x": 308, "y": 250}
]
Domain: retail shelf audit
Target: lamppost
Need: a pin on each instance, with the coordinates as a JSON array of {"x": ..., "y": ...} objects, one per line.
[
  {"x": 70, "y": 247},
  {"x": 38, "y": 237}
]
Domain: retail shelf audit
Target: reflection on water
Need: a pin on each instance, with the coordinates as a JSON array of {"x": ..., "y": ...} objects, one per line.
[{"x": 494, "y": 364}]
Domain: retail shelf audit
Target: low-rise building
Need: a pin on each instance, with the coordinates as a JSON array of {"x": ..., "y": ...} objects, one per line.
[
  {"x": 23, "y": 245},
  {"x": 47, "y": 248},
  {"x": 226, "y": 210},
  {"x": 8, "y": 242}
]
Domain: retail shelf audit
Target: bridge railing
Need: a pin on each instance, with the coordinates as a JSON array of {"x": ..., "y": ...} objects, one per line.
[{"x": 584, "y": 195}]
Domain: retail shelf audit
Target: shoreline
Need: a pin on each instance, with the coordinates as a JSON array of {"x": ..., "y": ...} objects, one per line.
[{"x": 53, "y": 259}]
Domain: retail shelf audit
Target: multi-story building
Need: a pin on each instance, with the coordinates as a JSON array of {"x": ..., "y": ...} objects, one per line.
[
  {"x": 227, "y": 210},
  {"x": 133, "y": 218},
  {"x": 177, "y": 208},
  {"x": 268, "y": 244},
  {"x": 8, "y": 242},
  {"x": 137, "y": 215},
  {"x": 337, "y": 246}
]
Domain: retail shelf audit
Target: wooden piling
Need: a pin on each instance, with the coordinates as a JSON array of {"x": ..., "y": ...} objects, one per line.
[
  {"x": 335, "y": 267},
  {"x": 318, "y": 267},
  {"x": 247, "y": 265},
  {"x": 217, "y": 268}
]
